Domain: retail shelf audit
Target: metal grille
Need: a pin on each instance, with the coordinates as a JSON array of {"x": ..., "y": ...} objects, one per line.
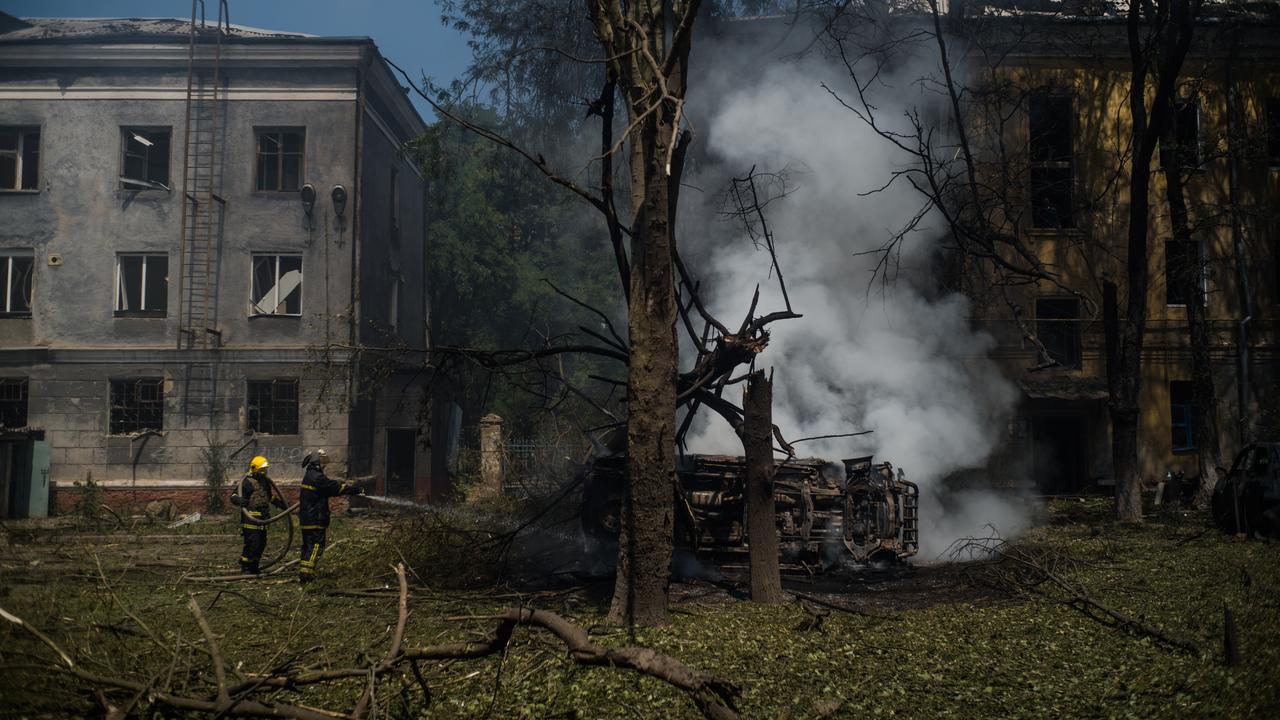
[
  {"x": 137, "y": 405},
  {"x": 272, "y": 406},
  {"x": 13, "y": 402}
]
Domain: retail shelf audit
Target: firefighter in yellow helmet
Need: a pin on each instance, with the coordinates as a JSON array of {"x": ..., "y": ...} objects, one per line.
[
  {"x": 255, "y": 495},
  {"x": 313, "y": 510}
]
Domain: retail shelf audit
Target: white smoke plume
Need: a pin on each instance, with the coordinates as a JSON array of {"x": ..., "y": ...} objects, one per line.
[{"x": 892, "y": 359}]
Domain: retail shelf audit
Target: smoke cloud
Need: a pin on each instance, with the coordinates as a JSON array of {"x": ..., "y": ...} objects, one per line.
[{"x": 898, "y": 358}]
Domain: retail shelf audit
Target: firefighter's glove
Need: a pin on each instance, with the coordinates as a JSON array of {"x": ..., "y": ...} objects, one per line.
[
  {"x": 237, "y": 500},
  {"x": 278, "y": 502},
  {"x": 355, "y": 490}
]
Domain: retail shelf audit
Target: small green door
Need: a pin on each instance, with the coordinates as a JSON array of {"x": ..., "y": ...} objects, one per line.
[{"x": 38, "y": 506}]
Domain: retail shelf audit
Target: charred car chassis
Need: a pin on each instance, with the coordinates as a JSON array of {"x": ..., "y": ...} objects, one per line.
[{"x": 827, "y": 515}]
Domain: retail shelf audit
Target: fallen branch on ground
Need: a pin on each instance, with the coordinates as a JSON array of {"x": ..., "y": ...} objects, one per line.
[{"x": 713, "y": 696}]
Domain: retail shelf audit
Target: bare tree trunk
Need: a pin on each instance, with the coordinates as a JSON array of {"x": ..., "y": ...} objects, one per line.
[
  {"x": 1124, "y": 421},
  {"x": 1189, "y": 273},
  {"x": 1159, "y": 37},
  {"x": 644, "y": 551},
  {"x": 762, "y": 521}
]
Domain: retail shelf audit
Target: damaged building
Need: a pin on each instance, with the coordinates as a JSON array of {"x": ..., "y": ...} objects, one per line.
[{"x": 200, "y": 223}]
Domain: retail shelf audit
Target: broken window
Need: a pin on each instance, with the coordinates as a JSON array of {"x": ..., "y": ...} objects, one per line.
[
  {"x": 13, "y": 402},
  {"x": 393, "y": 311},
  {"x": 1182, "y": 418},
  {"x": 1182, "y": 272},
  {"x": 280, "y": 159},
  {"x": 277, "y": 285},
  {"x": 1186, "y": 133},
  {"x": 137, "y": 404},
  {"x": 146, "y": 158},
  {"x": 1050, "y": 149},
  {"x": 19, "y": 158},
  {"x": 142, "y": 285},
  {"x": 17, "y": 271},
  {"x": 1058, "y": 329},
  {"x": 272, "y": 406}
]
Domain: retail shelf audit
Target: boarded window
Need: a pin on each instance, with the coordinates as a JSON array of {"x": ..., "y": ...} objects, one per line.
[
  {"x": 137, "y": 404},
  {"x": 146, "y": 158},
  {"x": 272, "y": 406},
  {"x": 277, "y": 285},
  {"x": 13, "y": 402},
  {"x": 1050, "y": 150},
  {"x": 19, "y": 158},
  {"x": 1058, "y": 329},
  {"x": 142, "y": 285},
  {"x": 1182, "y": 418},
  {"x": 17, "y": 279},
  {"x": 280, "y": 153}
]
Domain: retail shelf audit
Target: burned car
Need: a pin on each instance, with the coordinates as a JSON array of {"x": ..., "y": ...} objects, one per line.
[
  {"x": 855, "y": 513},
  {"x": 1247, "y": 498}
]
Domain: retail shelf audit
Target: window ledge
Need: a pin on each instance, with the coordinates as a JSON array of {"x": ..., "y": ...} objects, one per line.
[
  {"x": 15, "y": 316},
  {"x": 275, "y": 315},
  {"x": 1186, "y": 451},
  {"x": 1053, "y": 232},
  {"x": 141, "y": 313},
  {"x": 278, "y": 194},
  {"x": 15, "y": 191}
]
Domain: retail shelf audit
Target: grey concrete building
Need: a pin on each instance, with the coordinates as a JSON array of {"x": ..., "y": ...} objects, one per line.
[{"x": 198, "y": 227}]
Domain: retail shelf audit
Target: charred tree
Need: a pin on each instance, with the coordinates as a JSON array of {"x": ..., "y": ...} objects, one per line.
[
  {"x": 1188, "y": 272},
  {"x": 762, "y": 523}
]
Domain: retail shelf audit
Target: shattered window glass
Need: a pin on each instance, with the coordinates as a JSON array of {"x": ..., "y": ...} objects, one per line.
[
  {"x": 137, "y": 404},
  {"x": 1183, "y": 273},
  {"x": 13, "y": 402},
  {"x": 280, "y": 159},
  {"x": 1058, "y": 329},
  {"x": 142, "y": 285},
  {"x": 1049, "y": 128},
  {"x": 146, "y": 158},
  {"x": 19, "y": 158},
  {"x": 17, "y": 278},
  {"x": 277, "y": 285},
  {"x": 272, "y": 406}
]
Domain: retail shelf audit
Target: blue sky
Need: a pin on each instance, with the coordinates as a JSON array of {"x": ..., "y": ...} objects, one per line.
[{"x": 408, "y": 32}]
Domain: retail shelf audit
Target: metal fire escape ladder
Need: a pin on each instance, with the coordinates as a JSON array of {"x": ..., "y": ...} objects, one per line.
[{"x": 203, "y": 210}]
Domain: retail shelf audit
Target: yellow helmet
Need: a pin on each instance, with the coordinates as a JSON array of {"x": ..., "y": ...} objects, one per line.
[{"x": 258, "y": 463}]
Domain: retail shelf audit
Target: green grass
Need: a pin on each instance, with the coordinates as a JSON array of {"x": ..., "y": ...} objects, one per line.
[{"x": 953, "y": 652}]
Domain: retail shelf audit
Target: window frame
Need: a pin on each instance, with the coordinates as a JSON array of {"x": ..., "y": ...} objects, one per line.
[
  {"x": 255, "y": 309},
  {"x": 253, "y": 415},
  {"x": 1038, "y": 168},
  {"x": 23, "y": 400},
  {"x": 143, "y": 184},
  {"x": 144, "y": 311},
  {"x": 116, "y": 410},
  {"x": 258, "y": 133},
  {"x": 1074, "y": 358},
  {"x": 20, "y": 159},
  {"x": 7, "y": 256},
  {"x": 1191, "y": 150},
  {"x": 1182, "y": 417}
]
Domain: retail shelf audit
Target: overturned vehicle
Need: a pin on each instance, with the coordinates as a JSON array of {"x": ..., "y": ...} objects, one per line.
[{"x": 828, "y": 515}]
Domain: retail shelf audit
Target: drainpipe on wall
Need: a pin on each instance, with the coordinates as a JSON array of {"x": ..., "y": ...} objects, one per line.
[
  {"x": 1237, "y": 241},
  {"x": 357, "y": 191}
]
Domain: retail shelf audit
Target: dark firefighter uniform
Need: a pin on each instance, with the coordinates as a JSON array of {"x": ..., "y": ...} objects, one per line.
[
  {"x": 313, "y": 512},
  {"x": 255, "y": 495}
]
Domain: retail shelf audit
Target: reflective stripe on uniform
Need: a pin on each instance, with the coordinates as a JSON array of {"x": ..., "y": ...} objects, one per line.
[
  {"x": 304, "y": 486},
  {"x": 247, "y": 526},
  {"x": 311, "y": 527}
]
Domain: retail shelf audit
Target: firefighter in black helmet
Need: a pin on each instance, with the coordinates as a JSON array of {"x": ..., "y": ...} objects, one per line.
[
  {"x": 313, "y": 513},
  {"x": 255, "y": 495}
]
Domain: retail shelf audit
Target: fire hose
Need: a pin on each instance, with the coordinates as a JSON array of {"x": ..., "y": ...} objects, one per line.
[{"x": 283, "y": 514}]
